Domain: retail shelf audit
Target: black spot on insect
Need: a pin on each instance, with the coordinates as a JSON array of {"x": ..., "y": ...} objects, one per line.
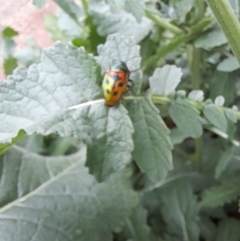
[
  {"x": 107, "y": 82},
  {"x": 108, "y": 91},
  {"x": 115, "y": 92},
  {"x": 120, "y": 84}
]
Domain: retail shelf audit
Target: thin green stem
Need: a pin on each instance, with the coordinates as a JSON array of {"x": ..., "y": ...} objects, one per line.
[
  {"x": 228, "y": 22},
  {"x": 85, "y": 7},
  {"x": 164, "y": 23}
]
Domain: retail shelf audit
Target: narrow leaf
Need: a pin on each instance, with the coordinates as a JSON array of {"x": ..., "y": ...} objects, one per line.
[{"x": 180, "y": 210}]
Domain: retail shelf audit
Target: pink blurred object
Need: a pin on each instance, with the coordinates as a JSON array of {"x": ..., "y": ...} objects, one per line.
[{"x": 27, "y": 19}]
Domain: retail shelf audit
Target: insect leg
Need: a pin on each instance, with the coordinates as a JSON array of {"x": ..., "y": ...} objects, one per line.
[{"x": 130, "y": 86}]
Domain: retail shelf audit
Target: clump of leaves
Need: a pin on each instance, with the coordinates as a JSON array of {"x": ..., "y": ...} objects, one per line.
[{"x": 163, "y": 164}]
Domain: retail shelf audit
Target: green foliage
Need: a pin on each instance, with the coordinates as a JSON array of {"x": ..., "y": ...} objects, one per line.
[{"x": 162, "y": 164}]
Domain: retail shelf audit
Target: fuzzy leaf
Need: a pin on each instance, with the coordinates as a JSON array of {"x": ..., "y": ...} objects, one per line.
[
  {"x": 211, "y": 40},
  {"x": 59, "y": 200},
  {"x": 228, "y": 229},
  {"x": 9, "y": 32},
  {"x": 186, "y": 117},
  {"x": 119, "y": 48},
  {"x": 165, "y": 80},
  {"x": 152, "y": 146},
  {"x": 180, "y": 210},
  {"x": 216, "y": 116},
  {"x": 196, "y": 95},
  {"x": 66, "y": 77},
  {"x": 121, "y": 22},
  {"x": 226, "y": 192}
]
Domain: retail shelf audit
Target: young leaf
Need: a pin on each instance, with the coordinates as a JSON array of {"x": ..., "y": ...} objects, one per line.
[
  {"x": 226, "y": 192},
  {"x": 186, "y": 117},
  {"x": 223, "y": 161},
  {"x": 196, "y": 95},
  {"x": 216, "y": 116},
  {"x": 211, "y": 40},
  {"x": 124, "y": 49},
  {"x": 219, "y": 100},
  {"x": 228, "y": 229},
  {"x": 165, "y": 80},
  {"x": 69, "y": 205},
  {"x": 179, "y": 209},
  {"x": 228, "y": 65},
  {"x": 152, "y": 146},
  {"x": 121, "y": 22}
]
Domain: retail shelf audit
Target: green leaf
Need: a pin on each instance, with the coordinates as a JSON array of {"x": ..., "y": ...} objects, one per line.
[
  {"x": 228, "y": 229},
  {"x": 137, "y": 228},
  {"x": 152, "y": 146},
  {"x": 9, "y": 65},
  {"x": 211, "y": 40},
  {"x": 216, "y": 116},
  {"x": 120, "y": 48},
  {"x": 122, "y": 22},
  {"x": 223, "y": 84},
  {"x": 3, "y": 147},
  {"x": 229, "y": 64},
  {"x": 9, "y": 32},
  {"x": 54, "y": 198},
  {"x": 136, "y": 8},
  {"x": 165, "y": 80},
  {"x": 186, "y": 117},
  {"x": 182, "y": 8},
  {"x": 46, "y": 105},
  {"x": 39, "y": 3},
  {"x": 177, "y": 136},
  {"x": 226, "y": 192},
  {"x": 224, "y": 160},
  {"x": 207, "y": 228},
  {"x": 179, "y": 209}
]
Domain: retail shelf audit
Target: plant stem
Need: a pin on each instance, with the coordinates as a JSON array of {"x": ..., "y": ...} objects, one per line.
[
  {"x": 178, "y": 41},
  {"x": 163, "y": 100},
  {"x": 228, "y": 22},
  {"x": 164, "y": 23},
  {"x": 85, "y": 7}
]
